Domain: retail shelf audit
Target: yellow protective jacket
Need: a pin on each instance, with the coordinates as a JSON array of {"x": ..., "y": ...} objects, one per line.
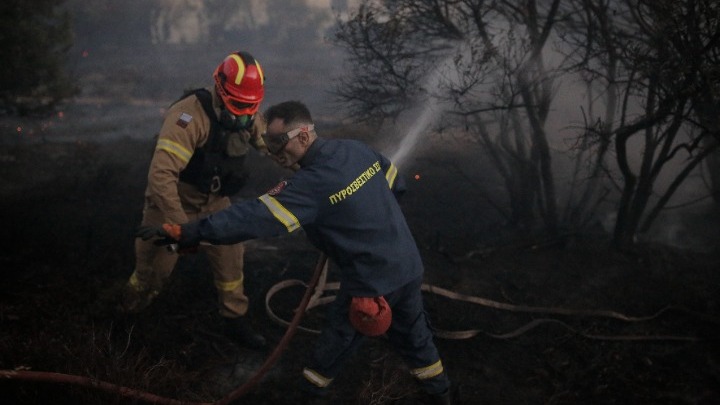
[{"x": 186, "y": 127}]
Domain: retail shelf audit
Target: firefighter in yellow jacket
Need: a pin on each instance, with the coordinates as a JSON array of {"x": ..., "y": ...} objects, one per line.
[{"x": 196, "y": 166}]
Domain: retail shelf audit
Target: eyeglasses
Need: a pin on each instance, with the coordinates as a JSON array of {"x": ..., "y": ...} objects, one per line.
[{"x": 276, "y": 143}]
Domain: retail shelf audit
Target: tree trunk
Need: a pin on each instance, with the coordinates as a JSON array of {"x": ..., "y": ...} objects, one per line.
[{"x": 713, "y": 168}]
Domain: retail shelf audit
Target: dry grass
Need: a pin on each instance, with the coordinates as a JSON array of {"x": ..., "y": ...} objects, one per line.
[{"x": 71, "y": 210}]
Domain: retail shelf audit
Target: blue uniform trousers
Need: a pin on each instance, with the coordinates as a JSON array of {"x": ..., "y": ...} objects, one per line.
[{"x": 409, "y": 334}]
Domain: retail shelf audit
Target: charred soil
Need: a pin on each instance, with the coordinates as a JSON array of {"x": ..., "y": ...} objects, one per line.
[{"x": 69, "y": 212}]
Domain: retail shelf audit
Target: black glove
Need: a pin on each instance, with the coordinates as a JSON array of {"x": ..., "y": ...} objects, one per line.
[
  {"x": 150, "y": 232},
  {"x": 169, "y": 235}
]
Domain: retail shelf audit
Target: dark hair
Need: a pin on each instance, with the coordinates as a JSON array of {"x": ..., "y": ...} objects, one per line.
[{"x": 290, "y": 112}]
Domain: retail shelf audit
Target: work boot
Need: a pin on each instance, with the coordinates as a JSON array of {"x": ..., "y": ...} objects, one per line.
[
  {"x": 107, "y": 301},
  {"x": 133, "y": 300},
  {"x": 239, "y": 330},
  {"x": 312, "y": 400},
  {"x": 310, "y": 394},
  {"x": 444, "y": 398}
]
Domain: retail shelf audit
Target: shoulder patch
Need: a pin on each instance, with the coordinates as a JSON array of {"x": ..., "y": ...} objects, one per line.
[
  {"x": 184, "y": 120},
  {"x": 277, "y": 189}
]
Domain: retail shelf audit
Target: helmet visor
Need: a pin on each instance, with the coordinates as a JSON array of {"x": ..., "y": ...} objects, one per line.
[
  {"x": 235, "y": 105},
  {"x": 238, "y": 107}
]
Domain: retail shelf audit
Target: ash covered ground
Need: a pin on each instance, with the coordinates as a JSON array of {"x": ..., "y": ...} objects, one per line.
[{"x": 70, "y": 223}]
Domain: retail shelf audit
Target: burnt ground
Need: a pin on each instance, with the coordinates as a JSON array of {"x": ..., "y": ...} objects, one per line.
[{"x": 69, "y": 211}]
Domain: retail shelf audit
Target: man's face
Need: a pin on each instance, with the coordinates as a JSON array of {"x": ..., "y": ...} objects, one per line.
[{"x": 285, "y": 143}]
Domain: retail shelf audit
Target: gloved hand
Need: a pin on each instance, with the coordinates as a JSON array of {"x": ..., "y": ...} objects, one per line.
[{"x": 168, "y": 235}]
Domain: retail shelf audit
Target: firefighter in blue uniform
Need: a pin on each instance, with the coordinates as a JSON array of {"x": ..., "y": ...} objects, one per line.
[{"x": 344, "y": 197}]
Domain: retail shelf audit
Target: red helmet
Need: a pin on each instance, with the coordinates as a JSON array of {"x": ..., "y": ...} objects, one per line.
[
  {"x": 370, "y": 316},
  {"x": 240, "y": 82}
]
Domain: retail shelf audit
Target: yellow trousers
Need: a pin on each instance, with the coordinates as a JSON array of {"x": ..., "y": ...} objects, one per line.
[{"x": 154, "y": 264}]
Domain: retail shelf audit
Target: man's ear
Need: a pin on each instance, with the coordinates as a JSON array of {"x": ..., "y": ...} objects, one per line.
[{"x": 304, "y": 138}]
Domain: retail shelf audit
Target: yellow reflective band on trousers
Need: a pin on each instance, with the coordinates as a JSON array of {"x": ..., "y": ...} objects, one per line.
[
  {"x": 391, "y": 175},
  {"x": 280, "y": 213},
  {"x": 430, "y": 371},
  {"x": 174, "y": 148},
  {"x": 134, "y": 282},
  {"x": 229, "y": 285},
  {"x": 315, "y": 378}
]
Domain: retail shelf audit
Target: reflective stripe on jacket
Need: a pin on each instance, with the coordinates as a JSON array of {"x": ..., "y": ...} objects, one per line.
[
  {"x": 344, "y": 197},
  {"x": 185, "y": 128}
]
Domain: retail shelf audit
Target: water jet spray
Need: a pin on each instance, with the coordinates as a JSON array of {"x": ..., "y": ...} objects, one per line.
[{"x": 429, "y": 113}]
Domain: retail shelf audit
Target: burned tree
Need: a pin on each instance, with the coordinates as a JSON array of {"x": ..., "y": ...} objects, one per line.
[
  {"x": 34, "y": 39},
  {"x": 500, "y": 87},
  {"x": 649, "y": 67},
  {"x": 653, "y": 61}
]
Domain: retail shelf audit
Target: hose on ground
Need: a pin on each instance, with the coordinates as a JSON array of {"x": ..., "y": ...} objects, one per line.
[
  {"x": 323, "y": 286},
  {"x": 29, "y": 375}
]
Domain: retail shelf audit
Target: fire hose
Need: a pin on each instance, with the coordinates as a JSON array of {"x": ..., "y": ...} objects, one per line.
[
  {"x": 318, "y": 299},
  {"x": 314, "y": 297},
  {"x": 28, "y": 375}
]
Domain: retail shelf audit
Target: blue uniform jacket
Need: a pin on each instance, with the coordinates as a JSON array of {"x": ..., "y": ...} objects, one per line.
[{"x": 344, "y": 197}]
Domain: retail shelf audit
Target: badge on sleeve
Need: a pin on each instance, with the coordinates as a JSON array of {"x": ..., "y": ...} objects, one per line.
[
  {"x": 277, "y": 189},
  {"x": 184, "y": 120}
]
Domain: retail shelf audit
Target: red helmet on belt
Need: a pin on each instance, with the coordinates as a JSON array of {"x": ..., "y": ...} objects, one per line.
[
  {"x": 370, "y": 316},
  {"x": 240, "y": 82}
]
